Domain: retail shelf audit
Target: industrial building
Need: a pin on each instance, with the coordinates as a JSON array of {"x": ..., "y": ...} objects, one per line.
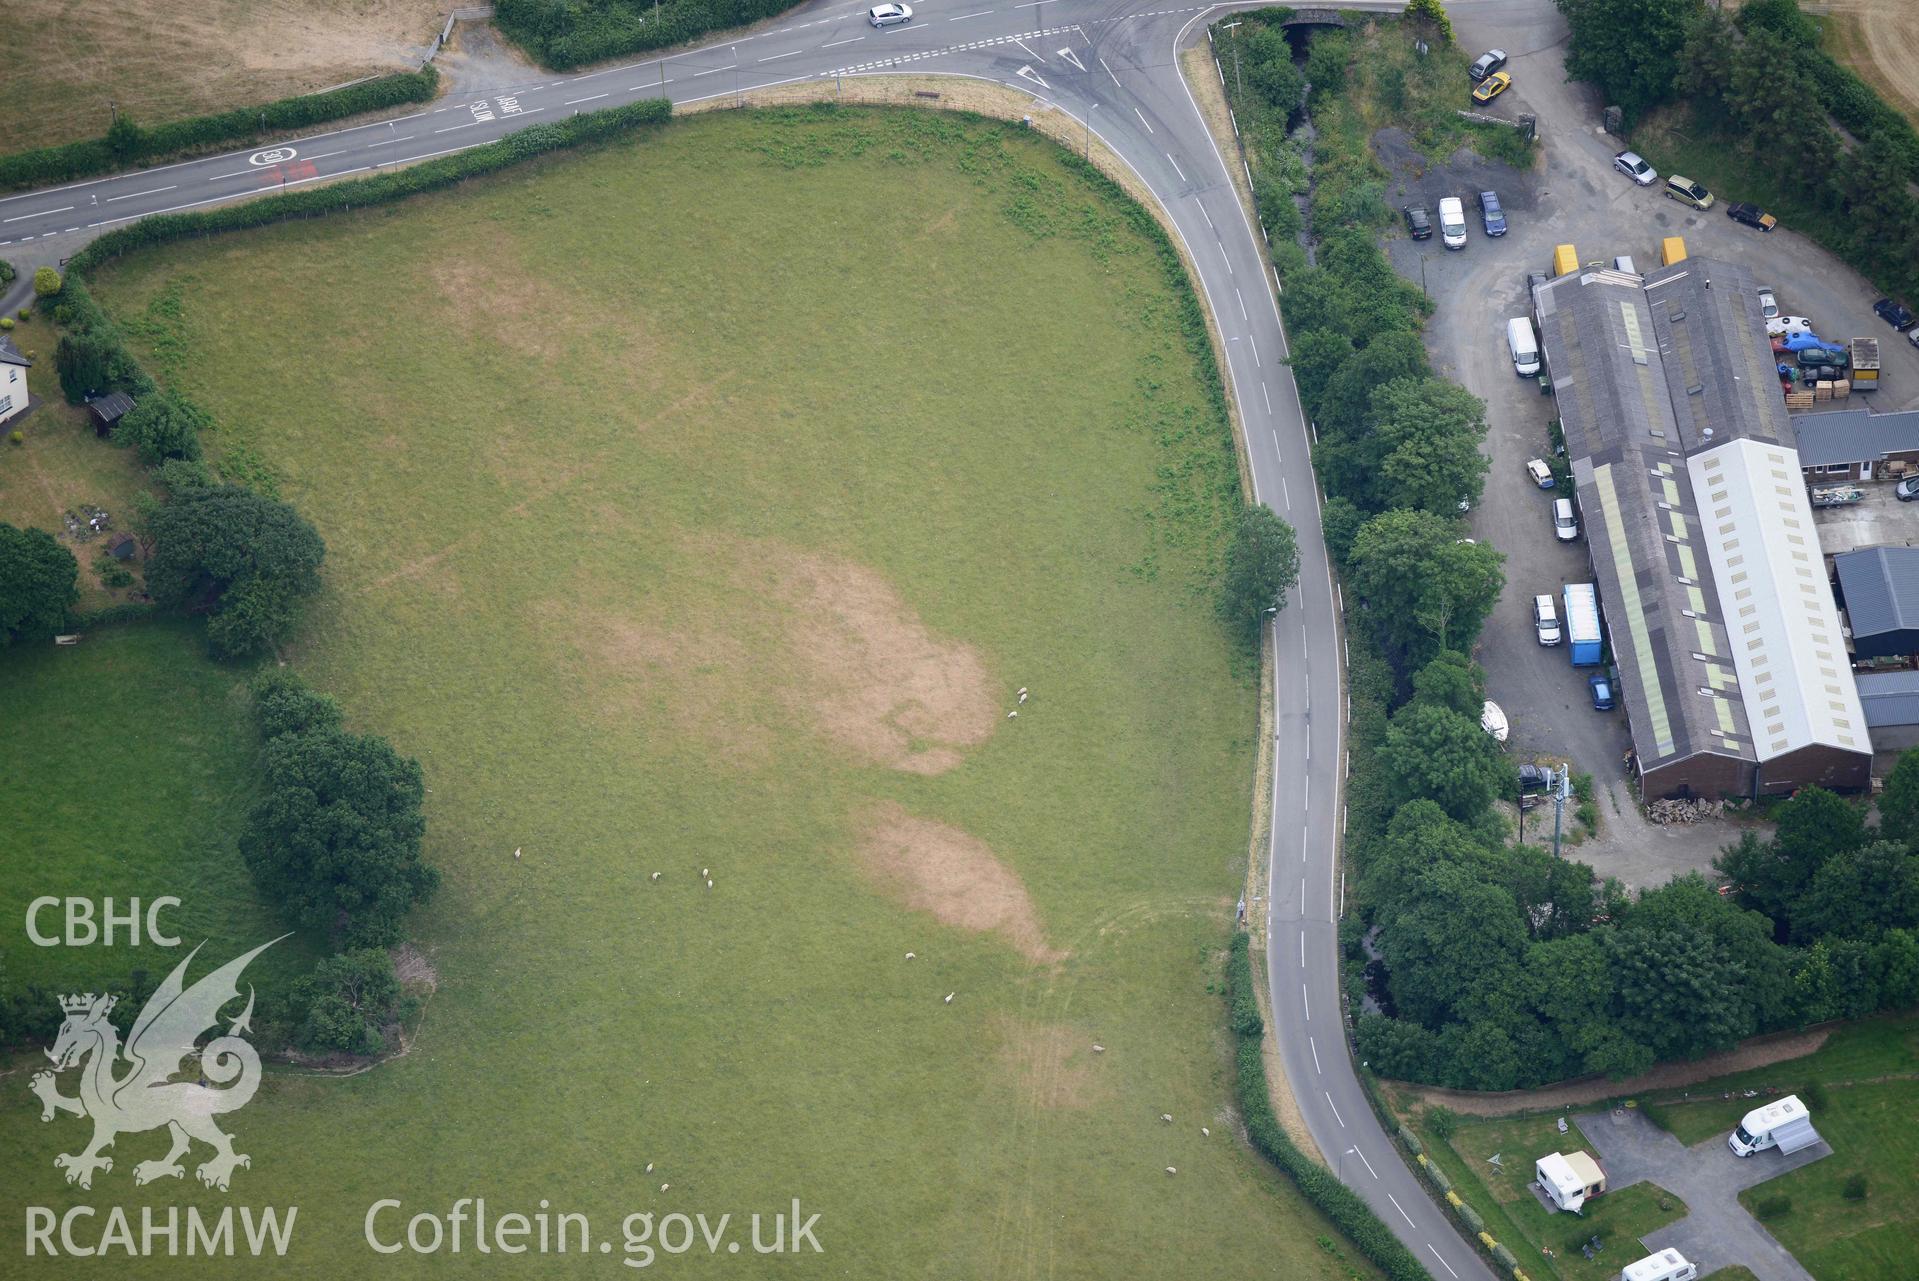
[{"x": 1733, "y": 671}]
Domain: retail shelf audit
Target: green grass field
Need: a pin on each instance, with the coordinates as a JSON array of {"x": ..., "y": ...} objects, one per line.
[
  {"x": 130, "y": 767},
  {"x": 1514, "y": 1216},
  {"x": 702, "y": 504},
  {"x": 1867, "y": 1073}
]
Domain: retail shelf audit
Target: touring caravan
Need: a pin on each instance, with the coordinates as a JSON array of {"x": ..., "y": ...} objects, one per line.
[{"x": 1667, "y": 1265}]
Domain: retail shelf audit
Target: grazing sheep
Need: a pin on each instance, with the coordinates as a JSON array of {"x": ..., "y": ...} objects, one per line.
[
  {"x": 709, "y": 882},
  {"x": 1099, "y": 1049},
  {"x": 516, "y": 853},
  {"x": 1205, "y": 1132},
  {"x": 656, "y": 876},
  {"x": 1172, "y": 1169},
  {"x": 1166, "y": 1117},
  {"x": 1010, "y": 715},
  {"x": 949, "y": 998},
  {"x": 649, "y": 1167},
  {"x": 909, "y": 956},
  {"x": 665, "y": 1186}
]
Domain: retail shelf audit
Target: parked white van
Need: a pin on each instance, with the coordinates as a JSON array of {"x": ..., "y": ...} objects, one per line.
[
  {"x": 1524, "y": 345},
  {"x": 1452, "y": 223},
  {"x": 1667, "y": 1265}
]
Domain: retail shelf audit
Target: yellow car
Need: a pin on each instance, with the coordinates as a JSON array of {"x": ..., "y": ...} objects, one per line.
[{"x": 1492, "y": 86}]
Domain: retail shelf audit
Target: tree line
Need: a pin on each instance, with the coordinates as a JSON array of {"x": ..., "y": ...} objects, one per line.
[{"x": 1761, "y": 90}]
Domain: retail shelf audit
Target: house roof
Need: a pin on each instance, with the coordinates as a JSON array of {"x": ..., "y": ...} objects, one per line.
[
  {"x": 112, "y": 406},
  {"x": 1854, "y": 436},
  {"x": 12, "y": 355},
  {"x": 1696, "y": 516},
  {"x": 1890, "y": 698},
  {"x": 1881, "y": 587}
]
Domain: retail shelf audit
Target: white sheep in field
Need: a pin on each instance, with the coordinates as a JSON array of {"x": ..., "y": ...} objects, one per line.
[
  {"x": 909, "y": 956},
  {"x": 1166, "y": 1117},
  {"x": 949, "y": 998},
  {"x": 1171, "y": 1169},
  {"x": 656, "y": 876}
]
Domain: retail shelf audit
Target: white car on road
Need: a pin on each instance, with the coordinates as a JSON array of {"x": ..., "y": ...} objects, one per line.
[
  {"x": 888, "y": 15},
  {"x": 1635, "y": 167}
]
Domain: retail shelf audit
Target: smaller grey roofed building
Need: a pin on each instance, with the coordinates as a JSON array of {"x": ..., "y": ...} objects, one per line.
[
  {"x": 1891, "y": 702},
  {"x": 1879, "y": 590},
  {"x": 109, "y": 409},
  {"x": 1854, "y": 444}
]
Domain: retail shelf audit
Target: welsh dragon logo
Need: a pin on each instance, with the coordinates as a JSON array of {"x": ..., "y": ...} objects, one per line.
[{"x": 145, "y": 1097}]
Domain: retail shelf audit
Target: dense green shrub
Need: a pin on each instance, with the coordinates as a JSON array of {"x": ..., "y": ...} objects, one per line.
[
  {"x": 46, "y": 282},
  {"x": 37, "y": 584},
  {"x": 1854, "y": 1188},
  {"x": 162, "y": 426},
  {"x": 125, "y": 143},
  {"x": 342, "y": 1006},
  {"x": 240, "y": 557},
  {"x": 1242, "y": 999}
]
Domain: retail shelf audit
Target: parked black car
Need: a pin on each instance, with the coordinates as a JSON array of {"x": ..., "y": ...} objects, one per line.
[
  {"x": 1418, "y": 222},
  {"x": 1491, "y": 214},
  {"x": 1534, "y": 778},
  {"x": 1752, "y": 215},
  {"x": 1896, "y": 314}
]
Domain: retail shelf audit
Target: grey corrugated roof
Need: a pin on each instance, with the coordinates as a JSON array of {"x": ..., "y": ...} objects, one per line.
[
  {"x": 1881, "y": 587},
  {"x": 1628, "y": 453},
  {"x": 1719, "y": 374},
  {"x": 1890, "y": 698},
  {"x": 112, "y": 406},
  {"x": 1854, "y": 436},
  {"x": 12, "y": 355}
]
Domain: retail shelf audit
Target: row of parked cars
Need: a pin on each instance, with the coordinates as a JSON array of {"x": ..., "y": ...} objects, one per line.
[
  {"x": 1452, "y": 219},
  {"x": 1690, "y": 193}
]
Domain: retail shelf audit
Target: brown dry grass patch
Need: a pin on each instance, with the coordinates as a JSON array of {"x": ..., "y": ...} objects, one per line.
[
  {"x": 1880, "y": 40},
  {"x": 872, "y": 676},
  {"x": 952, "y": 876},
  {"x": 161, "y": 60}
]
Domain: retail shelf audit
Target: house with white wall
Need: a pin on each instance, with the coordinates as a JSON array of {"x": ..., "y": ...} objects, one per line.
[{"x": 13, "y": 379}]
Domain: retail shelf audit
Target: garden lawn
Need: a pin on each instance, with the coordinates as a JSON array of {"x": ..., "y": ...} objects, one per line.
[
  {"x": 1500, "y": 1194},
  {"x": 700, "y": 504},
  {"x": 59, "y": 465}
]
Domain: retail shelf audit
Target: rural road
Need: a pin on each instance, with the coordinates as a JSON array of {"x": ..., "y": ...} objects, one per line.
[{"x": 1113, "y": 64}]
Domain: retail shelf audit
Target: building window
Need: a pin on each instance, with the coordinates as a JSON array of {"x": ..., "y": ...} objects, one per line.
[{"x": 6, "y": 404}]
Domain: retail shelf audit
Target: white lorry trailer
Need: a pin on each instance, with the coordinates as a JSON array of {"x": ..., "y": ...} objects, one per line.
[{"x": 1784, "y": 1124}]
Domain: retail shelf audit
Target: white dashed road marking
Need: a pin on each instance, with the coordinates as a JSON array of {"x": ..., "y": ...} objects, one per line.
[
  {"x": 790, "y": 53},
  {"x": 589, "y": 98},
  {"x": 151, "y": 191},
  {"x": 1314, "y": 1045},
  {"x": 1176, "y": 168},
  {"x": 837, "y": 43},
  {"x": 1335, "y": 1107},
  {"x": 1402, "y": 1210},
  {"x": 41, "y": 214},
  {"x": 1442, "y": 1261}
]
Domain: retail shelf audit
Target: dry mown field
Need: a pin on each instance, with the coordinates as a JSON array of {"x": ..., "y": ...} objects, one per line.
[
  {"x": 164, "y": 61},
  {"x": 1880, "y": 40}
]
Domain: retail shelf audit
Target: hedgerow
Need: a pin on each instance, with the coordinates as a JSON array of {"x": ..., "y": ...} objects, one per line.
[
  {"x": 127, "y": 144},
  {"x": 562, "y": 34}
]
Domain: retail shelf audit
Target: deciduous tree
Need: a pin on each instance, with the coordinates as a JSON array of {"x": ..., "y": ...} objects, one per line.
[
  {"x": 230, "y": 549},
  {"x": 1262, "y": 564},
  {"x": 37, "y": 577}
]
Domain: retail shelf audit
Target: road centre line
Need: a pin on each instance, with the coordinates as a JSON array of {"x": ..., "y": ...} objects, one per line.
[
  {"x": 449, "y": 129},
  {"x": 837, "y": 43},
  {"x": 1302, "y": 949},
  {"x": 1402, "y": 1210},
  {"x": 1117, "y": 85},
  {"x": 1304, "y": 1000},
  {"x": 39, "y": 213},
  {"x": 709, "y": 71},
  {"x": 150, "y": 191},
  {"x": 1176, "y": 168},
  {"x": 1243, "y": 316},
  {"x": 964, "y": 16},
  {"x": 589, "y": 98},
  {"x": 1363, "y": 1161},
  {"x": 1209, "y": 222},
  {"x": 1335, "y": 1107},
  {"x": 1442, "y": 1259},
  {"x": 790, "y": 53},
  {"x": 1314, "y": 1046},
  {"x": 1269, "y": 409},
  {"x": 1142, "y": 119}
]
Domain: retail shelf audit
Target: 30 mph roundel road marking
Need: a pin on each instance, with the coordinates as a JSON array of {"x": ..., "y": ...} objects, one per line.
[{"x": 272, "y": 156}]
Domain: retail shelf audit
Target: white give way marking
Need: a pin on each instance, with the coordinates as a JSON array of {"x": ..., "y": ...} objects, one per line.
[
  {"x": 1068, "y": 55},
  {"x": 1028, "y": 72}
]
